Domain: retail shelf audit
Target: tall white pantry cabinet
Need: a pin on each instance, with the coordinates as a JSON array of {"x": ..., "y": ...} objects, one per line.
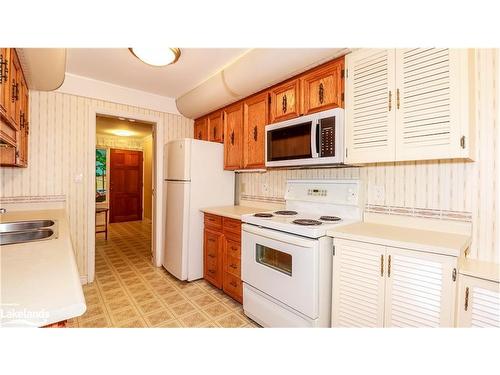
[
  {"x": 383, "y": 286},
  {"x": 409, "y": 104}
]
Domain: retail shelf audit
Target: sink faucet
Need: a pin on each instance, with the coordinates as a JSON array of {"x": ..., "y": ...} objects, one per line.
[{"x": 3, "y": 210}]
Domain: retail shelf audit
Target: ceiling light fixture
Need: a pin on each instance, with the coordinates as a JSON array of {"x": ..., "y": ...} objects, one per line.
[
  {"x": 157, "y": 56},
  {"x": 122, "y": 133}
]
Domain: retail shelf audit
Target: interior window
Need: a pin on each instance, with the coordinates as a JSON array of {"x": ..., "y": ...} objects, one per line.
[{"x": 100, "y": 175}]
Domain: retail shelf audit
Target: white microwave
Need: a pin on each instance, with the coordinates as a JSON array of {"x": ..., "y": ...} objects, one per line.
[{"x": 307, "y": 140}]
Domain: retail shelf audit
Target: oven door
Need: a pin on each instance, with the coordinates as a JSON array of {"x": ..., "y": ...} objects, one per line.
[{"x": 283, "y": 266}]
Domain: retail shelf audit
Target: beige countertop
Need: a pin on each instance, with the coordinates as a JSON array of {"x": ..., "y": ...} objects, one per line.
[
  {"x": 233, "y": 212},
  {"x": 477, "y": 268},
  {"x": 40, "y": 283},
  {"x": 417, "y": 239}
]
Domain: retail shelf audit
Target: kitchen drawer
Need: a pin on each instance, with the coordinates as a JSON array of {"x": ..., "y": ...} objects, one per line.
[
  {"x": 233, "y": 287},
  {"x": 232, "y": 265},
  {"x": 231, "y": 225},
  {"x": 213, "y": 221},
  {"x": 233, "y": 248}
]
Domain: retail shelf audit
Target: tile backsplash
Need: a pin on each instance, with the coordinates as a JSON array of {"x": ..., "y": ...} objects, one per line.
[{"x": 443, "y": 189}]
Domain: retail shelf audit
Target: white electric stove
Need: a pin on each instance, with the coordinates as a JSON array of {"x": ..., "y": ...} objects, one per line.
[{"x": 287, "y": 257}]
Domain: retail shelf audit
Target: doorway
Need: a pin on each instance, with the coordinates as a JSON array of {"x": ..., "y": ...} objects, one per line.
[{"x": 124, "y": 175}]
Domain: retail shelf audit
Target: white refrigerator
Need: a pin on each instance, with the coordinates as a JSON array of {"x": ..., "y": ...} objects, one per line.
[{"x": 194, "y": 178}]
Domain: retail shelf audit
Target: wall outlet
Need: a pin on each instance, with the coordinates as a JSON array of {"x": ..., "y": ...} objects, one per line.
[
  {"x": 265, "y": 188},
  {"x": 378, "y": 194}
]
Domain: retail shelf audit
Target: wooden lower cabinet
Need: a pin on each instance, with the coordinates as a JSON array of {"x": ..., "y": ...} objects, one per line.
[
  {"x": 213, "y": 252},
  {"x": 222, "y": 255}
]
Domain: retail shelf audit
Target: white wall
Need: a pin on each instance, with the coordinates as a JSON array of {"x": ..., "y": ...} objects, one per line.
[
  {"x": 457, "y": 190},
  {"x": 59, "y": 150}
]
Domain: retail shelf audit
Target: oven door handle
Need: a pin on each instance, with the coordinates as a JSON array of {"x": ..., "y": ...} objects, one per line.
[
  {"x": 315, "y": 139},
  {"x": 278, "y": 236}
]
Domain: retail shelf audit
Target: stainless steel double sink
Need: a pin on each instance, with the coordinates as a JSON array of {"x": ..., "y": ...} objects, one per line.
[{"x": 15, "y": 232}]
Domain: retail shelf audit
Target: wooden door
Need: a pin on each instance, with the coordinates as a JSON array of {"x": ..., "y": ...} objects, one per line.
[
  {"x": 478, "y": 303},
  {"x": 420, "y": 289},
  {"x": 201, "y": 129},
  {"x": 323, "y": 88},
  {"x": 256, "y": 117},
  {"x": 233, "y": 137},
  {"x": 125, "y": 185},
  {"x": 15, "y": 75},
  {"x": 216, "y": 127},
  {"x": 213, "y": 253},
  {"x": 358, "y": 284},
  {"x": 370, "y": 106},
  {"x": 4, "y": 80},
  {"x": 431, "y": 103},
  {"x": 285, "y": 101}
]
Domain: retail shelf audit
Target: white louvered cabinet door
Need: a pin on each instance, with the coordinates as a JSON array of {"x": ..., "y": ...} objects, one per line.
[
  {"x": 358, "y": 284},
  {"x": 420, "y": 289},
  {"x": 478, "y": 303},
  {"x": 431, "y": 104},
  {"x": 369, "y": 106}
]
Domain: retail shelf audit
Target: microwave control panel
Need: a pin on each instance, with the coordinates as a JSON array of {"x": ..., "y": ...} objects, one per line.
[{"x": 327, "y": 128}]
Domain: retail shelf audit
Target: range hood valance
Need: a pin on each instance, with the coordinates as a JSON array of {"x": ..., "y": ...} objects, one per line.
[{"x": 252, "y": 72}]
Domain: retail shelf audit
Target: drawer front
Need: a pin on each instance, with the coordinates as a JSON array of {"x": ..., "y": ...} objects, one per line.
[
  {"x": 233, "y": 248},
  {"x": 233, "y": 266},
  {"x": 232, "y": 225},
  {"x": 233, "y": 287},
  {"x": 213, "y": 221}
]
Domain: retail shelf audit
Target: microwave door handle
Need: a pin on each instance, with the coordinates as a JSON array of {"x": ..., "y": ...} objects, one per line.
[{"x": 315, "y": 140}]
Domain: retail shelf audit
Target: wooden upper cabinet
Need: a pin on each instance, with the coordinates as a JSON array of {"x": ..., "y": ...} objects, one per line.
[
  {"x": 15, "y": 74},
  {"x": 215, "y": 127},
  {"x": 201, "y": 129},
  {"x": 323, "y": 88},
  {"x": 256, "y": 117},
  {"x": 4, "y": 80},
  {"x": 233, "y": 136},
  {"x": 285, "y": 101},
  {"x": 23, "y": 123}
]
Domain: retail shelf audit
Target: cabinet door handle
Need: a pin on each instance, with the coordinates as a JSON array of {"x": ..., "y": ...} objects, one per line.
[
  {"x": 382, "y": 265},
  {"x": 211, "y": 271},
  {"x": 199, "y": 135},
  {"x": 232, "y": 137},
  {"x": 466, "y": 304},
  {"x": 255, "y": 133},
  {"x": 397, "y": 99},
  {"x": 284, "y": 104},
  {"x": 233, "y": 284},
  {"x": 15, "y": 91},
  {"x": 390, "y": 100},
  {"x": 233, "y": 266},
  {"x": 321, "y": 93},
  {"x": 215, "y": 132},
  {"x": 389, "y": 267},
  {"x": 211, "y": 255},
  {"x": 233, "y": 248},
  {"x": 4, "y": 69}
]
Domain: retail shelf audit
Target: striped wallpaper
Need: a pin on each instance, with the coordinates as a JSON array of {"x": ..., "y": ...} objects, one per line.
[
  {"x": 466, "y": 191},
  {"x": 58, "y": 151}
]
